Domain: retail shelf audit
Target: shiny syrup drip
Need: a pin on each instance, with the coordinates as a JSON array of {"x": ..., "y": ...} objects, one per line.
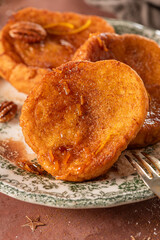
[
  {"x": 15, "y": 152},
  {"x": 153, "y": 115}
]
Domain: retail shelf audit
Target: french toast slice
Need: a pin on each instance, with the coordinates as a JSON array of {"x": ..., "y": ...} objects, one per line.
[
  {"x": 143, "y": 55},
  {"x": 81, "y": 117},
  {"x": 35, "y": 41}
]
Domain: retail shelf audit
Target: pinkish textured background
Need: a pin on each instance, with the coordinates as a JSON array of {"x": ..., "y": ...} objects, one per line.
[{"x": 139, "y": 220}]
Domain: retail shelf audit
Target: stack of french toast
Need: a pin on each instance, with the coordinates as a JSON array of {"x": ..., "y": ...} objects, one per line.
[{"x": 91, "y": 93}]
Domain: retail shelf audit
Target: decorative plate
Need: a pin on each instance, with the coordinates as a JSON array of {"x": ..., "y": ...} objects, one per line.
[{"x": 121, "y": 185}]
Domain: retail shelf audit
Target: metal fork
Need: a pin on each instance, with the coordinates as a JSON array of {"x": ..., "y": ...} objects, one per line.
[{"x": 151, "y": 178}]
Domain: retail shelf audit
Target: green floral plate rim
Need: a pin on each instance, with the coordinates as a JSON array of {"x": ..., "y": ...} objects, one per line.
[{"x": 47, "y": 191}]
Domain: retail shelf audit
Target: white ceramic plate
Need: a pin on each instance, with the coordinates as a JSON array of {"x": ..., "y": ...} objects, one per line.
[{"x": 115, "y": 189}]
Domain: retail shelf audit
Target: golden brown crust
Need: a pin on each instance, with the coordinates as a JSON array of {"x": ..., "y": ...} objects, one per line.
[
  {"x": 82, "y": 116},
  {"x": 22, "y": 57},
  {"x": 143, "y": 55}
]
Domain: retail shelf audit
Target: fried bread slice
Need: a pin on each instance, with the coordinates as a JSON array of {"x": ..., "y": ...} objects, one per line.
[
  {"x": 35, "y": 41},
  {"x": 82, "y": 116},
  {"x": 143, "y": 55}
]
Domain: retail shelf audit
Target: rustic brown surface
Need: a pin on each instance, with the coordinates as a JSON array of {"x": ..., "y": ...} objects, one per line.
[{"x": 139, "y": 221}]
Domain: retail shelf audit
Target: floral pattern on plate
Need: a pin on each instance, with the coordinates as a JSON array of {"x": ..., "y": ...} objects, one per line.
[{"x": 121, "y": 185}]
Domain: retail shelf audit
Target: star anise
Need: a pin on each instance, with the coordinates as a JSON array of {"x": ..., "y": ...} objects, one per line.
[{"x": 33, "y": 224}]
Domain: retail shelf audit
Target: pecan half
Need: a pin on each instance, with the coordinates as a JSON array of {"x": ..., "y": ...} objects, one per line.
[
  {"x": 7, "y": 111},
  {"x": 27, "y": 31}
]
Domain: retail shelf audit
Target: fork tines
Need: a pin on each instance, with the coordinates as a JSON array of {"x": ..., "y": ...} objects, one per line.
[{"x": 142, "y": 162}]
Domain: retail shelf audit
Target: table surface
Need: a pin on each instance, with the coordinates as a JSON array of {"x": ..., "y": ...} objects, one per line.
[{"x": 138, "y": 221}]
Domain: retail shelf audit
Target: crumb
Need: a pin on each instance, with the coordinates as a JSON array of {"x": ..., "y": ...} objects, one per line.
[
  {"x": 138, "y": 234},
  {"x": 132, "y": 238}
]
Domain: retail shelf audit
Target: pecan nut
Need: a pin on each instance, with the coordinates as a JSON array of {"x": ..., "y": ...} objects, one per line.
[
  {"x": 7, "y": 111},
  {"x": 28, "y": 31}
]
